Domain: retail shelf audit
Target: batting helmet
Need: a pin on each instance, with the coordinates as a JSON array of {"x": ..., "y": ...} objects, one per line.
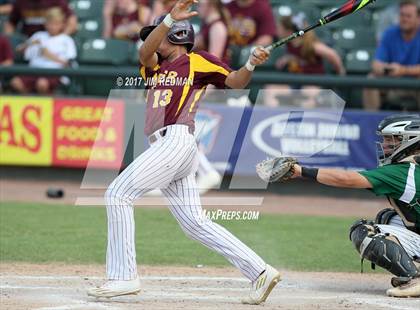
[
  {"x": 401, "y": 135},
  {"x": 181, "y": 32}
]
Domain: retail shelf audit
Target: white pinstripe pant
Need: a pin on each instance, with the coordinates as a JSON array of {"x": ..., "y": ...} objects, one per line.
[
  {"x": 170, "y": 164},
  {"x": 409, "y": 240}
]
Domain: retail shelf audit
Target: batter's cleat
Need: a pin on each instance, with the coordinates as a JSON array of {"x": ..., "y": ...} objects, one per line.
[
  {"x": 114, "y": 288},
  {"x": 409, "y": 289},
  {"x": 263, "y": 286}
]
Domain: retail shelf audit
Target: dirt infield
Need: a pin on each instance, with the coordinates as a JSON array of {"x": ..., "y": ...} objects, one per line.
[{"x": 62, "y": 287}]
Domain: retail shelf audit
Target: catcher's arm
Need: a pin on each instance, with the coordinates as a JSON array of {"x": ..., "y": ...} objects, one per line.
[
  {"x": 334, "y": 177},
  {"x": 281, "y": 169}
]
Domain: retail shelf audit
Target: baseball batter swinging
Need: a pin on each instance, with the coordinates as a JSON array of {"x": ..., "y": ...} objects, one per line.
[{"x": 171, "y": 162}]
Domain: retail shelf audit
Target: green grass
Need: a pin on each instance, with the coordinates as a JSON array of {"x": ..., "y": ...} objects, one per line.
[{"x": 40, "y": 233}]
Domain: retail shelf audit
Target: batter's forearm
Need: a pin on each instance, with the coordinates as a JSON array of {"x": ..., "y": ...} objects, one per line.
[
  {"x": 239, "y": 79},
  {"x": 152, "y": 43}
]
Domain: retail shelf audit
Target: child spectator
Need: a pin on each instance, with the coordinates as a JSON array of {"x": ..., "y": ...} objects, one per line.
[
  {"x": 398, "y": 55},
  {"x": 214, "y": 34},
  {"x": 123, "y": 19},
  {"x": 46, "y": 49},
  {"x": 31, "y": 13},
  {"x": 305, "y": 54},
  {"x": 252, "y": 22}
]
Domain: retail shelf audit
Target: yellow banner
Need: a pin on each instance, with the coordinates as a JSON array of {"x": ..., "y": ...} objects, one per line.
[{"x": 26, "y": 130}]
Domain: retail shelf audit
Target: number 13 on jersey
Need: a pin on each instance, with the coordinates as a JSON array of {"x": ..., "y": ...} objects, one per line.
[{"x": 161, "y": 98}]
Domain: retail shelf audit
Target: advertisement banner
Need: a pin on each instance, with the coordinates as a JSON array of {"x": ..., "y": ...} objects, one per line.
[
  {"x": 273, "y": 132},
  {"x": 88, "y": 130},
  {"x": 25, "y": 130}
]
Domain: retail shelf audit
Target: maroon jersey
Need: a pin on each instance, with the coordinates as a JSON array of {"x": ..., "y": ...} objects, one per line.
[
  {"x": 251, "y": 22},
  {"x": 205, "y": 33},
  {"x": 302, "y": 65},
  {"x": 31, "y": 13},
  {"x": 175, "y": 88},
  {"x": 6, "y": 52}
]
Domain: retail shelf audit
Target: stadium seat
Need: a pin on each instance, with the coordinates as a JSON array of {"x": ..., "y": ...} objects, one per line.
[
  {"x": 106, "y": 52},
  {"x": 3, "y": 19},
  {"x": 134, "y": 53},
  {"x": 284, "y": 2},
  {"x": 312, "y": 12},
  {"x": 103, "y": 52},
  {"x": 354, "y": 38},
  {"x": 87, "y": 9},
  {"x": 382, "y": 4},
  {"x": 325, "y": 4},
  {"x": 359, "y": 61},
  {"x": 15, "y": 39},
  {"x": 89, "y": 29},
  {"x": 324, "y": 34}
]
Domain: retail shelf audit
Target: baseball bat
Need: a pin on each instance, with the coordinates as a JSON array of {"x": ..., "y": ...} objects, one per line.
[{"x": 349, "y": 7}]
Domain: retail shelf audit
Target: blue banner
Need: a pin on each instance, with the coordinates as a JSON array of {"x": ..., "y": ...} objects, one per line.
[{"x": 236, "y": 139}]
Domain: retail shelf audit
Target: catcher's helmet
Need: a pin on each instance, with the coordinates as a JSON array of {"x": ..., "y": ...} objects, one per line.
[
  {"x": 181, "y": 32},
  {"x": 401, "y": 138}
]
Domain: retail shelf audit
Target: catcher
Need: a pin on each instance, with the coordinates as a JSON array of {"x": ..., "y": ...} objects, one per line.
[{"x": 392, "y": 241}]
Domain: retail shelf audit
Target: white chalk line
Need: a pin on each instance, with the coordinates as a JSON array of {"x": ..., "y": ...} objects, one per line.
[
  {"x": 151, "y": 278},
  {"x": 196, "y": 289}
]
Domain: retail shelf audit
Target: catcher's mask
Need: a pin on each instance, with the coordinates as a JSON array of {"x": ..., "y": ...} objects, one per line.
[
  {"x": 400, "y": 137},
  {"x": 181, "y": 32}
]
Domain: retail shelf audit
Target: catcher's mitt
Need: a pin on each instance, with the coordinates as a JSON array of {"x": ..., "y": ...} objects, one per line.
[{"x": 276, "y": 169}]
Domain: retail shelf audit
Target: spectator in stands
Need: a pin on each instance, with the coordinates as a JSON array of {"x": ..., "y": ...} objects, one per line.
[
  {"x": 398, "y": 55},
  {"x": 161, "y": 7},
  {"x": 5, "y": 7},
  {"x": 252, "y": 22},
  {"x": 31, "y": 13},
  {"x": 214, "y": 34},
  {"x": 6, "y": 52},
  {"x": 46, "y": 49},
  {"x": 6, "y": 55},
  {"x": 123, "y": 19},
  {"x": 304, "y": 55}
]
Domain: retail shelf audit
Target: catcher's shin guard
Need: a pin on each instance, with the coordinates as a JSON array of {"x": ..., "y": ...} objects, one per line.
[{"x": 382, "y": 249}]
